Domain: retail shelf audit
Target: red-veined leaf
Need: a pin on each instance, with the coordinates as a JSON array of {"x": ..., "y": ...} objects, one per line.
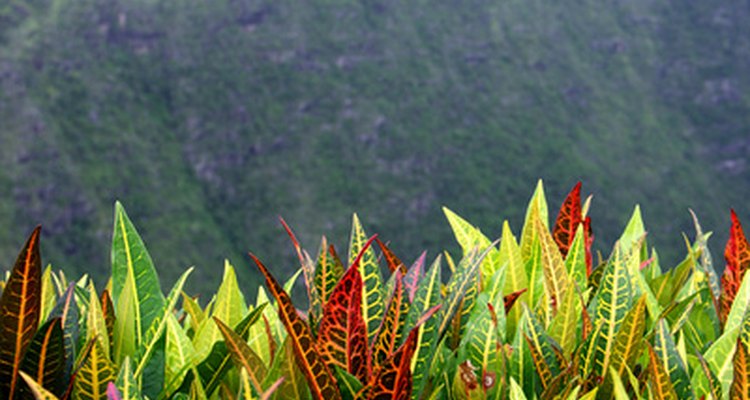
[
  {"x": 20, "y": 306},
  {"x": 342, "y": 337},
  {"x": 568, "y": 220},
  {"x": 737, "y": 255},
  {"x": 319, "y": 378},
  {"x": 393, "y": 379}
]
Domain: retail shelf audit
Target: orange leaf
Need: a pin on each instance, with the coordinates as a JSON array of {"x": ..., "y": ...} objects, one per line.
[
  {"x": 737, "y": 255},
  {"x": 19, "y": 312},
  {"x": 393, "y": 262},
  {"x": 740, "y": 388},
  {"x": 319, "y": 378}
]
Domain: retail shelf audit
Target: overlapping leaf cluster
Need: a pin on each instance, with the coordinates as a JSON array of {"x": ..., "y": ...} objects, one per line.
[{"x": 536, "y": 318}]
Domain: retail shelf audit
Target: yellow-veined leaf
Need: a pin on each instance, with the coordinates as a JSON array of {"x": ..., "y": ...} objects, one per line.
[
  {"x": 97, "y": 371},
  {"x": 20, "y": 305},
  {"x": 319, "y": 378}
]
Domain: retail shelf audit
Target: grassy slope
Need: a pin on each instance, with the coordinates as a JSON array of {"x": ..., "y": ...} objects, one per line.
[{"x": 209, "y": 118}]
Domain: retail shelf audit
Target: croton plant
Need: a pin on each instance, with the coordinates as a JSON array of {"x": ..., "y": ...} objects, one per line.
[{"x": 536, "y": 318}]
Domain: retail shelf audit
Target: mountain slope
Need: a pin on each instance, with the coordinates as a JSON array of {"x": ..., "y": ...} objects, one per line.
[{"x": 207, "y": 119}]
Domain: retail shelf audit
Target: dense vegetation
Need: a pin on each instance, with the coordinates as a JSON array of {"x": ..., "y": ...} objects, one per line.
[
  {"x": 535, "y": 318},
  {"x": 209, "y": 118}
]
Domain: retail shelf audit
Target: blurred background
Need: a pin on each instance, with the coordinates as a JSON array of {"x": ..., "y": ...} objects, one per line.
[{"x": 207, "y": 119}]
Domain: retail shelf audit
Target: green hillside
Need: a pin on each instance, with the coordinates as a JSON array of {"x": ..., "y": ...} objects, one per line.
[{"x": 207, "y": 119}]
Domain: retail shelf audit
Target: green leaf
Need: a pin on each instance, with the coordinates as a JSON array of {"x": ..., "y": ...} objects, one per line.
[
  {"x": 180, "y": 355},
  {"x": 426, "y": 297},
  {"x": 634, "y": 231},
  {"x": 611, "y": 303},
  {"x": 372, "y": 296},
  {"x": 565, "y": 325},
  {"x": 575, "y": 261},
  {"x": 229, "y": 307},
  {"x": 214, "y": 367},
  {"x": 479, "y": 344},
  {"x": 135, "y": 287},
  {"x": 349, "y": 385},
  {"x": 542, "y": 354},
  {"x": 515, "y": 275},
  {"x": 673, "y": 364},
  {"x": 469, "y": 238},
  {"x": 126, "y": 382},
  {"x": 243, "y": 356},
  {"x": 628, "y": 344},
  {"x": 285, "y": 366}
]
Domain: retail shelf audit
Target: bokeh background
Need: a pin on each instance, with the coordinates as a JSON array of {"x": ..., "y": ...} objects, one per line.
[{"x": 207, "y": 119}]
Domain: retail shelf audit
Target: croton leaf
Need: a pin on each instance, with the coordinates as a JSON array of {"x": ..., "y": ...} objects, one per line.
[
  {"x": 737, "y": 255},
  {"x": 393, "y": 262},
  {"x": 568, "y": 220},
  {"x": 658, "y": 377},
  {"x": 243, "y": 356},
  {"x": 328, "y": 270},
  {"x": 95, "y": 374},
  {"x": 136, "y": 292},
  {"x": 319, "y": 377},
  {"x": 20, "y": 306},
  {"x": 393, "y": 380},
  {"x": 44, "y": 360},
  {"x": 390, "y": 333},
  {"x": 308, "y": 272},
  {"x": 740, "y": 389},
  {"x": 342, "y": 337},
  {"x": 372, "y": 295}
]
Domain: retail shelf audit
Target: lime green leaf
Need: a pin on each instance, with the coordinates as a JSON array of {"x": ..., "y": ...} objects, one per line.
[
  {"x": 372, "y": 296},
  {"x": 229, "y": 307},
  {"x": 515, "y": 276},
  {"x": 470, "y": 238}
]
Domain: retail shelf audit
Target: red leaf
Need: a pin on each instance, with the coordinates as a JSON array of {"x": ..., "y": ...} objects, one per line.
[
  {"x": 510, "y": 299},
  {"x": 342, "y": 337},
  {"x": 393, "y": 380},
  {"x": 319, "y": 378},
  {"x": 588, "y": 237},
  {"x": 737, "y": 255},
  {"x": 393, "y": 262},
  {"x": 568, "y": 220}
]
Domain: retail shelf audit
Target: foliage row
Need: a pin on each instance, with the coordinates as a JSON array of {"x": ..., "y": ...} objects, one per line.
[{"x": 535, "y": 318}]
